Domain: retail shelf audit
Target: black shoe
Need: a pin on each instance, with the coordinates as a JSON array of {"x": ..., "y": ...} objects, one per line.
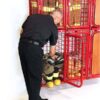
[{"x": 44, "y": 99}]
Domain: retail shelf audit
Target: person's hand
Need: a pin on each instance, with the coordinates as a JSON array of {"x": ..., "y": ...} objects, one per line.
[
  {"x": 54, "y": 57},
  {"x": 52, "y": 51}
]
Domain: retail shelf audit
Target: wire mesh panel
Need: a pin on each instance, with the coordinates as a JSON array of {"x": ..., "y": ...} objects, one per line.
[
  {"x": 50, "y": 5},
  {"x": 76, "y": 58},
  {"x": 78, "y": 12},
  {"x": 59, "y": 45}
]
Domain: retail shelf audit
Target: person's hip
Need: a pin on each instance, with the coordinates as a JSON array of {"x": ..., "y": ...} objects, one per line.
[{"x": 30, "y": 41}]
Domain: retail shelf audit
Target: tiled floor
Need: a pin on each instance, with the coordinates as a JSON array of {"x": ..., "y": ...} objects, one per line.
[{"x": 89, "y": 91}]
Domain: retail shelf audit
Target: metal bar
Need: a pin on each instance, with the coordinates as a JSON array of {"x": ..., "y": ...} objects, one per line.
[
  {"x": 67, "y": 12},
  {"x": 65, "y": 58},
  {"x": 30, "y": 7},
  {"x": 39, "y": 6},
  {"x": 87, "y": 55}
]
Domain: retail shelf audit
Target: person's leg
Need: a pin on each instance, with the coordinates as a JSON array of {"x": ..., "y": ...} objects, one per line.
[
  {"x": 24, "y": 66},
  {"x": 34, "y": 62},
  {"x": 32, "y": 66}
]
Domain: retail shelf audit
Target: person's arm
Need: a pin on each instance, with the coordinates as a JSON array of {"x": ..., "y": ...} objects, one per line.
[
  {"x": 53, "y": 41},
  {"x": 52, "y": 50}
]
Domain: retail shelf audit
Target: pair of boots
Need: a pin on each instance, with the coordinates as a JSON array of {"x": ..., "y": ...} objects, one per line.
[{"x": 53, "y": 79}]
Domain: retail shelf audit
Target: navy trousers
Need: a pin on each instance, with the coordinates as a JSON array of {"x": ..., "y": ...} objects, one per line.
[{"x": 32, "y": 66}]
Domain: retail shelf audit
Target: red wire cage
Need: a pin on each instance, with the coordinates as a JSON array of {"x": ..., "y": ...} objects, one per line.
[{"x": 75, "y": 38}]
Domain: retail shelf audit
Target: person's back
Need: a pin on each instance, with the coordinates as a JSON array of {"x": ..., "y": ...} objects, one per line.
[{"x": 38, "y": 27}]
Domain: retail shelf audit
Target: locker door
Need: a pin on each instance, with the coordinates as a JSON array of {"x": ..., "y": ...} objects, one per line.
[
  {"x": 76, "y": 57},
  {"x": 79, "y": 13}
]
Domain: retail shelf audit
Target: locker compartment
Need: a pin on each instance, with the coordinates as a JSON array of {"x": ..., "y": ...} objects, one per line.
[
  {"x": 76, "y": 57},
  {"x": 50, "y": 5},
  {"x": 74, "y": 47},
  {"x": 47, "y": 6},
  {"x": 59, "y": 49},
  {"x": 78, "y": 13}
]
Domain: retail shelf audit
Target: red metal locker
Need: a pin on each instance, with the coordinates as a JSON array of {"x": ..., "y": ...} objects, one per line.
[{"x": 76, "y": 34}]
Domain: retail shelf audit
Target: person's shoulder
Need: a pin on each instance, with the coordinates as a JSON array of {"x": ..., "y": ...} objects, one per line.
[
  {"x": 34, "y": 15},
  {"x": 41, "y": 15}
]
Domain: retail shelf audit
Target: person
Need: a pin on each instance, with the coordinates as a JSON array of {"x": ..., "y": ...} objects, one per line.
[{"x": 38, "y": 29}]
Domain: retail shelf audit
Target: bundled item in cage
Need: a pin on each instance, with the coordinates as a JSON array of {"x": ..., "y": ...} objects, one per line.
[
  {"x": 74, "y": 68},
  {"x": 52, "y": 69}
]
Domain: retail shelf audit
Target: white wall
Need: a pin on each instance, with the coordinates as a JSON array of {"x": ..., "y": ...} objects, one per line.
[{"x": 12, "y": 15}]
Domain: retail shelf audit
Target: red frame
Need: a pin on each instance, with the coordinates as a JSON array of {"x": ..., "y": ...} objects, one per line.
[{"x": 90, "y": 29}]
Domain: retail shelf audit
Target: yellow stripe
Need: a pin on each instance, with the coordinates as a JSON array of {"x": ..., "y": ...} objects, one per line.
[
  {"x": 56, "y": 74},
  {"x": 49, "y": 78}
]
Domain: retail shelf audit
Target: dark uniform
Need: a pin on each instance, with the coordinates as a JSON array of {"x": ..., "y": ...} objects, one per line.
[{"x": 37, "y": 31}]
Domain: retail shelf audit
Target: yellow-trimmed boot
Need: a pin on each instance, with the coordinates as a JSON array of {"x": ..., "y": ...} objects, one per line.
[
  {"x": 50, "y": 84},
  {"x": 57, "y": 82},
  {"x": 56, "y": 79},
  {"x": 49, "y": 81}
]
